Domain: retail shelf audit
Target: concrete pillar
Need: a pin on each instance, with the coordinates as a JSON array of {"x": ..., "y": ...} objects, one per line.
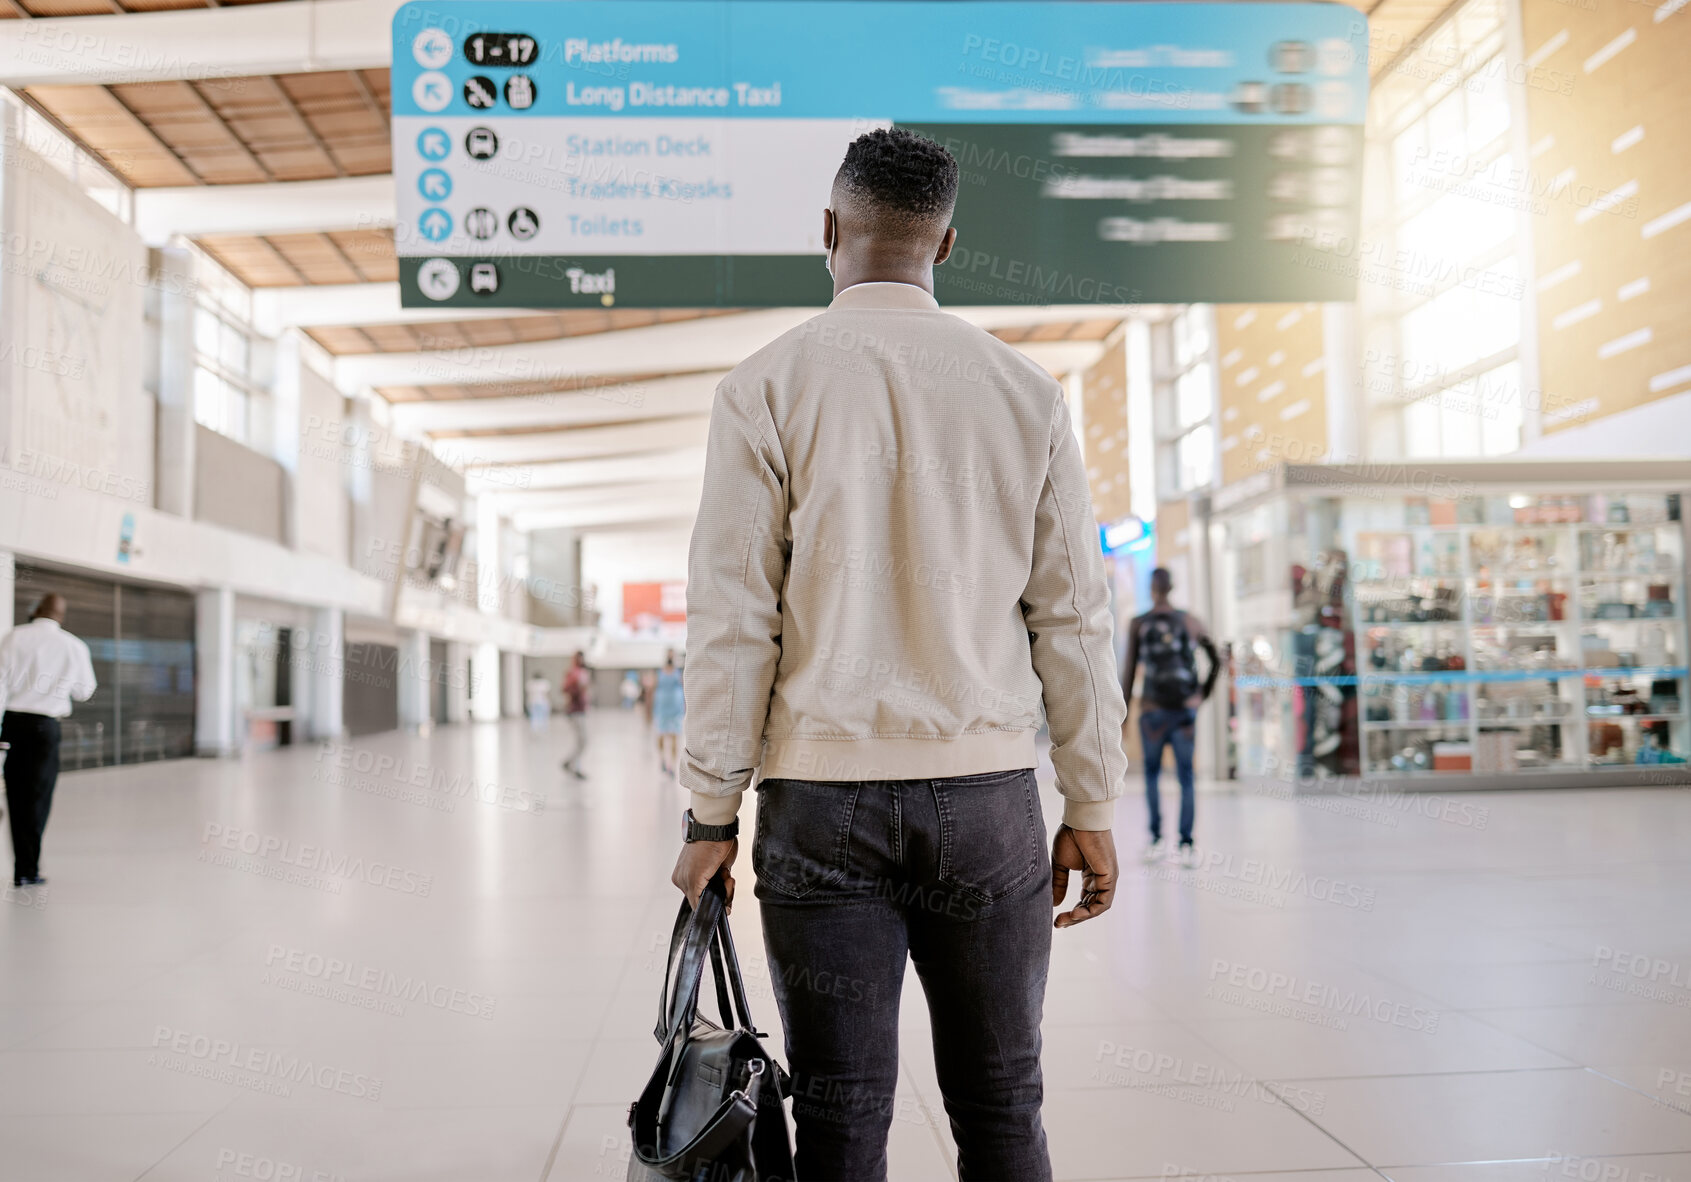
[
  {"x": 511, "y": 685},
  {"x": 174, "y": 472},
  {"x": 215, "y": 724},
  {"x": 414, "y": 680},
  {"x": 457, "y": 681},
  {"x": 484, "y": 689},
  {"x": 8, "y": 590},
  {"x": 285, "y": 440},
  {"x": 1347, "y": 410},
  {"x": 327, "y": 672}
]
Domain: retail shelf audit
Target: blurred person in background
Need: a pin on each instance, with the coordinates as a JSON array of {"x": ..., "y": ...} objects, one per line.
[
  {"x": 539, "y": 698},
  {"x": 577, "y": 682},
  {"x": 648, "y": 689},
  {"x": 630, "y": 689},
  {"x": 668, "y": 706},
  {"x": 42, "y": 668},
  {"x": 1165, "y": 640}
]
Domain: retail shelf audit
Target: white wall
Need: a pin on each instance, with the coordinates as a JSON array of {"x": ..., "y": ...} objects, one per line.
[
  {"x": 1656, "y": 430},
  {"x": 73, "y": 406},
  {"x": 324, "y": 521},
  {"x": 610, "y": 559}
]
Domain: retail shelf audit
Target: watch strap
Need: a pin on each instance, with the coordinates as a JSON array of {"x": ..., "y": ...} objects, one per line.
[{"x": 695, "y": 830}]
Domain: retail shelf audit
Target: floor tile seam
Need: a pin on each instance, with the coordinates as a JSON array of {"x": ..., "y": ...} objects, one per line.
[
  {"x": 1531, "y": 1042},
  {"x": 1429, "y": 1074},
  {"x": 1323, "y": 1130},
  {"x": 187, "y": 1137},
  {"x": 1655, "y": 1100},
  {"x": 573, "y": 1102},
  {"x": 929, "y": 1115}
]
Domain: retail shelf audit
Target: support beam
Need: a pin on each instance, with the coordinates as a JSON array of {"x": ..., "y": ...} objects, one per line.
[
  {"x": 177, "y": 432},
  {"x": 198, "y": 43},
  {"x": 487, "y": 675},
  {"x": 593, "y": 508},
  {"x": 635, "y": 471},
  {"x": 215, "y": 732},
  {"x": 414, "y": 683},
  {"x": 293, "y": 207},
  {"x": 329, "y": 305},
  {"x": 580, "y": 443},
  {"x": 327, "y": 672},
  {"x": 659, "y": 398},
  {"x": 721, "y": 342},
  {"x": 8, "y": 590},
  {"x": 457, "y": 676}
]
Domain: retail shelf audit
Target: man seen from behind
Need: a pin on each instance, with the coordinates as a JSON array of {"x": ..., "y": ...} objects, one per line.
[{"x": 894, "y": 573}]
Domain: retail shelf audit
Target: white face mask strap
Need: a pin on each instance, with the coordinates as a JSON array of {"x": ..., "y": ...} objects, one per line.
[{"x": 833, "y": 243}]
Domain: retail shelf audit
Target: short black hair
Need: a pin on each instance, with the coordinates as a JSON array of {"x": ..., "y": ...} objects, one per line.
[
  {"x": 1162, "y": 575},
  {"x": 909, "y": 179}
]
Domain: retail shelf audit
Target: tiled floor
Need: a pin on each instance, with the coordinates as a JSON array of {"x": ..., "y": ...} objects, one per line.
[{"x": 1492, "y": 992}]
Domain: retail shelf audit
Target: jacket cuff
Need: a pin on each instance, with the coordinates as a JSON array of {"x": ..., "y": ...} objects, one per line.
[
  {"x": 716, "y": 810},
  {"x": 1084, "y": 814}
]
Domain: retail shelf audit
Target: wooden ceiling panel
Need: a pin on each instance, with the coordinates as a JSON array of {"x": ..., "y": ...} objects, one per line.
[
  {"x": 292, "y": 127},
  {"x": 251, "y": 260},
  {"x": 94, "y": 116},
  {"x": 316, "y": 257},
  {"x": 530, "y": 389},
  {"x": 389, "y": 338},
  {"x": 338, "y": 339},
  {"x": 371, "y": 251},
  {"x": 288, "y": 260},
  {"x": 23, "y": 9},
  {"x": 518, "y": 328},
  {"x": 1094, "y": 329},
  {"x": 181, "y": 117}
]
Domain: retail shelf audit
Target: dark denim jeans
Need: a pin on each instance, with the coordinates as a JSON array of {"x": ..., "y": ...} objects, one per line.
[
  {"x": 1157, "y": 727},
  {"x": 956, "y": 875}
]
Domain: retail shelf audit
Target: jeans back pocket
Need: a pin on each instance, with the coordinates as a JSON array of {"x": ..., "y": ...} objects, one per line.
[
  {"x": 992, "y": 834},
  {"x": 803, "y": 835}
]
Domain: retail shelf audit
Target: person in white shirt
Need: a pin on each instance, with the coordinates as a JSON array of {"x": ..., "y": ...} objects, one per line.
[{"x": 42, "y": 668}]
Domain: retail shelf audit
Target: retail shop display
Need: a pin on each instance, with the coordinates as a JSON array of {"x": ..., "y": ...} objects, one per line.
[{"x": 1503, "y": 631}]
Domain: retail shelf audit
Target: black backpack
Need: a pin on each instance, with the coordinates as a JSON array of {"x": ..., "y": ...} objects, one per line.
[{"x": 1171, "y": 666}]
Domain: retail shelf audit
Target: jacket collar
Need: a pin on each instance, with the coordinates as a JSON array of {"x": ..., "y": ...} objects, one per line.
[{"x": 885, "y": 295}]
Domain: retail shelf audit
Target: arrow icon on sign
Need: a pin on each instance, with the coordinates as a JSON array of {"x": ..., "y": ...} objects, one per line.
[
  {"x": 436, "y": 225},
  {"x": 435, "y": 185},
  {"x": 434, "y": 145}
]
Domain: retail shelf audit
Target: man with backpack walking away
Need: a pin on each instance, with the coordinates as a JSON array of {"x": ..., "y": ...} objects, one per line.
[{"x": 1164, "y": 640}]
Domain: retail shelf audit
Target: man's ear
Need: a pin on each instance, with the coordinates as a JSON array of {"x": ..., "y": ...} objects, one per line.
[
  {"x": 827, "y": 229},
  {"x": 945, "y": 245}
]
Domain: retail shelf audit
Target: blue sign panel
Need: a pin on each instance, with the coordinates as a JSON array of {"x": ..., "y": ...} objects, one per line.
[{"x": 679, "y": 152}]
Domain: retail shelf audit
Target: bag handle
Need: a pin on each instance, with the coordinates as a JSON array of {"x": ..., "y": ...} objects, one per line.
[{"x": 699, "y": 933}]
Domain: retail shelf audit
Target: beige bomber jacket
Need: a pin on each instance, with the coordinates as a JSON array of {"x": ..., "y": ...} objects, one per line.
[{"x": 894, "y": 564}]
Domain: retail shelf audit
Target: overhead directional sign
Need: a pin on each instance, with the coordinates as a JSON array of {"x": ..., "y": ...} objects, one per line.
[{"x": 661, "y": 153}]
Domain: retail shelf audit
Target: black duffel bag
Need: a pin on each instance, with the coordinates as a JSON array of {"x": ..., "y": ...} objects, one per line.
[{"x": 712, "y": 1111}]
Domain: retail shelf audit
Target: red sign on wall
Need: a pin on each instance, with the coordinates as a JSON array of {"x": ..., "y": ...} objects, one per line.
[{"x": 646, "y": 603}]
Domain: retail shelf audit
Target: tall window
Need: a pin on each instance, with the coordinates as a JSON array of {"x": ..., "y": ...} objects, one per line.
[
  {"x": 1442, "y": 297},
  {"x": 1186, "y": 404},
  {"x": 229, "y": 398}
]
